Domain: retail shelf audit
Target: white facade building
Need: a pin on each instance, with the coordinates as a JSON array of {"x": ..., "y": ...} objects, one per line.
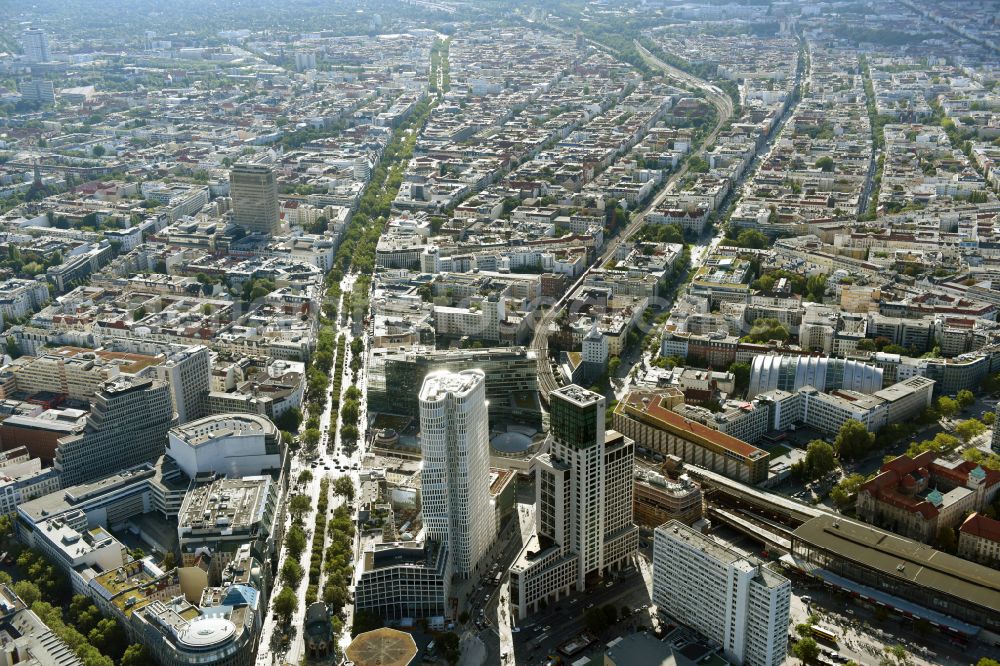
[
  {"x": 236, "y": 445},
  {"x": 21, "y": 297},
  {"x": 187, "y": 372},
  {"x": 595, "y": 348},
  {"x": 730, "y": 598},
  {"x": 36, "y": 45},
  {"x": 454, "y": 432}
]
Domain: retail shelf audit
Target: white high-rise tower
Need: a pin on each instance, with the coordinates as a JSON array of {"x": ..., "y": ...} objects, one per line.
[
  {"x": 454, "y": 435},
  {"x": 36, "y": 45}
]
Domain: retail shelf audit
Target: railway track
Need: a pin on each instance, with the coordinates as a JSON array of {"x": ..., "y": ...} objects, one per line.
[{"x": 540, "y": 341}]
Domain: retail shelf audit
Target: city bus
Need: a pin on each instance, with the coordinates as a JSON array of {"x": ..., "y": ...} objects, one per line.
[{"x": 823, "y": 634}]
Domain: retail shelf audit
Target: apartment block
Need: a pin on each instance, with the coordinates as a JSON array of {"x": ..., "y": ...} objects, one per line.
[{"x": 735, "y": 600}]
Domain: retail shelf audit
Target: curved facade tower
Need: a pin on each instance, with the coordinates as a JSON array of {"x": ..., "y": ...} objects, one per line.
[{"x": 454, "y": 437}]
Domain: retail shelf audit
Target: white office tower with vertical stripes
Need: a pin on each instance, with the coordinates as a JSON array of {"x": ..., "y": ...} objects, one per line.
[{"x": 455, "y": 495}]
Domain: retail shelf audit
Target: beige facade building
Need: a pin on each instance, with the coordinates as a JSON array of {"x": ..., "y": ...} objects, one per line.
[
  {"x": 659, "y": 499},
  {"x": 979, "y": 540},
  {"x": 254, "y": 190}
]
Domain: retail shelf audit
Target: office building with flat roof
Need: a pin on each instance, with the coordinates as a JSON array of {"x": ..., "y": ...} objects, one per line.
[
  {"x": 127, "y": 426},
  {"x": 234, "y": 445},
  {"x": 187, "y": 372},
  {"x": 220, "y": 516},
  {"x": 395, "y": 378},
  {"x": 659, "y": 499},
  {"x": 36, "y": 46},
  {"x": 584, "y": 518},
  {"x": 254, "y": 190},
  {"x": 404, "y": 580}
]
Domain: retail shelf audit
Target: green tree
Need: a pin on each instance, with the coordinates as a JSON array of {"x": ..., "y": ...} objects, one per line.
[
  {"x": 285, "y": 603},
  {"x": 349, "y": 432},
  {"x": 948, "y": 407},
  {"x": 965, "y": 399},
  {"x": 299, "y": 505},
  {"x": 990, "y": 383},
  {"x": 448, "y": 645},
  {"x": 816, "y": 288},
  {"x": 741, "y": 373},
  {"x": 819, "y": 459},
  {"x": 892, "y": 434},
  {"x": 136, "y": 655},
  {"x": 344, "y": 486},
  {"x": 335, "y": 595},
  {"x": 895, "y": 654},
  {"x": 969, "y": 429},
  {"x": 946, "y": 540},
  {"x": 752, "y": 239},
  {"x": 310, "y": 437},
  {"x": 98, "y": 151},
  {"x": 766, "y": 329},
  {"x": 365, "y": 620},
  {"x": 88, "y": 653},
  {"x": 305, "y": 476},
  {"x": 108, "y": 637},
  {"x": 845, "y": 489},
  {"x": 853, "y": 441},
  {"x": 291, "y": 572},
  {"x": 867, "y": 344},
  {"x": 28, "y": 592},
  {"x": 825, "y": 163},
  {"x": 989, "y": 418},
  {"x": 593, "y": 619},
  {"x": 295, "y": 540},
  {"x": 610, "y": 614},
  {"x": 350, "y": 411},
  {"x": 806, "y": 650},
  {"x": 323, "y": 360}
]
